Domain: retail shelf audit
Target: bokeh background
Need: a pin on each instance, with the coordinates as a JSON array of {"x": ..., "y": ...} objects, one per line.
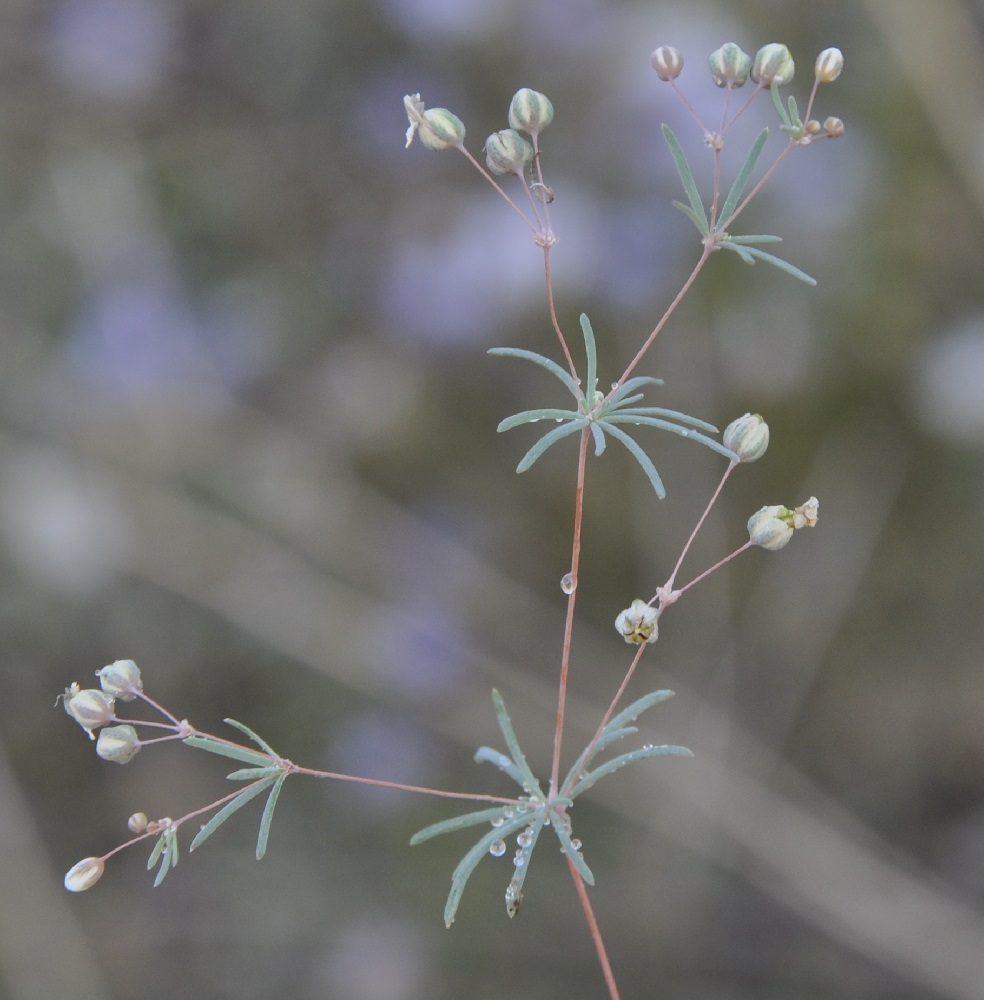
[{"x": 247, "y": 438}]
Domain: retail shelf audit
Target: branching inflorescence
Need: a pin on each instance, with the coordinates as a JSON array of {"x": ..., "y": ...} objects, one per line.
[{"x": 595, "y": 416}]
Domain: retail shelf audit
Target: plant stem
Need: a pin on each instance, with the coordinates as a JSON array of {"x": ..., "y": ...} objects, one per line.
[
  {"x": 571, "y": 599},
  {"x": 606, "y": 967}
]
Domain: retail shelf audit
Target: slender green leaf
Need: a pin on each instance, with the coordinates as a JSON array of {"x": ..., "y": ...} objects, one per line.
[
  {"x": 468, "y": 863},
  {"x": 501, "y": 761},
  {"x": 690, "y": 214},
  {"x": 267, "y": 818},
  {"x": 231, "y": 750},
  {"x": 640, "y": 456},
  {"x": 686, "y": 175},
  {"x": 728, "y": 208},
  {"x": 783, "y": 113},
  {"x": 514, "y": 891},
  {"x": 539, "y": 359},
  {"x": 591, "y": 356},
  {"x": 608, "y": 736},
  {"x": 253, "y": 773},
  {"x": 458, "y": 823},
  {"x": 229, "y": 808},
  {"x": 599, "y": 437},
  {"x": 632, "y": 712},
  {"x": 587, "y": 780},
  {"x": 256, "y": 739},
  {"x": 749, "y": 240},
  {"x": 532, "y": 416},
  {"x": 691, "y": 435},
  {"x": 737, "y": 248},
  {"x": 169, "y": 855},
  {"x": 630, "y": 385},
  {"x": 781, "y": 264},
  {"x": 158, "y": 850},
  {"x": 530, "y": 784},
  {"x": 659, "y": 411},
  {"x": 548, "y": 439},
  {"x": 567, "y": 848},
  {"x": 794, "y": 115}
]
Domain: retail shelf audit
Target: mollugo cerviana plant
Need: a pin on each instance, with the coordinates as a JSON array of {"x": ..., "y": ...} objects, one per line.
[{"x": 541, "y": 809}]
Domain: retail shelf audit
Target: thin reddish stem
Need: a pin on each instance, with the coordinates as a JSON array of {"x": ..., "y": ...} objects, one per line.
[
  {"x": 553, "y": 313},
  {"x": 599, "y": 943},
  {"x": 571, "y": 600}
]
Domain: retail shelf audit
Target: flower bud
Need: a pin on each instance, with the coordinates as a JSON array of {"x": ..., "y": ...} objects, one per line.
[
  {"x": 507, "y": 152},
  {"x": 638, "y": 623},
  {"x": 438, "y": 128},
  {"x": 813, "y": 127},
  {"x": 833, "y": 127},
  {"x": 118, "y": 743},
  {"x": 84, "y": 875},
  {"x": 773, "y": 66},
  {"x": 89, "y": 708},
  {"x": 530, "y": 111},
  {"x": 830, "y": 62},
  {"x": 121, "y": 680},
  {"x": 772, "y": 527},
  {"x": 137, "y": 822},
  {"x": 767, "y": 528},
  {"x": 667, "y": 62},
  {"x": 729, "y": 65},
  {"x": 747, "y": 437}
]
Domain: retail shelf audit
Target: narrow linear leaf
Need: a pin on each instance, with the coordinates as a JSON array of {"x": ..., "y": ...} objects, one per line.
[
  {"x": 690, "y": 214},
  {"x": 686, "y": 175},
  {"x": 567, "y": 848},
  {"x": 587, "y": 780},
  {"x": 591, "y": 356},
  {"x": 794, "y": 114},
  {"x": 599, "y": 437},
  {"x": 783, "y": 113},
  {"x": 253, "y": 773},
  {"x": 755, "y": 238},
  {"x": 739, "y": 249},
  {"x": 514, "y": 891},
  {"x": 640, "y": 456},
  {"x": 468, "y": 863},
  {"x": 686, "y": 432},
  {"x": 607, "y": 736},
  {"x": 256, "y": 739},
  {"x": 532, "y": 416},
  {"x": 552, "y": 437},
  {"x": 164, "y": 868},
  {"x": 489, "y": 756},
  {"x": 227, "y": 750},
  {"x": 728, "y": 208},
  {"x": 539, "y": 359},
  {"x": 509, "y": 734},
  {"x": 659, "y": 411},
  {"x": 632, "y": 712},
  {"x": 155, "y": 854},
  {"x": 228, "y": 809},
  {"x": 457, "y": 823},
  {"x": 630, "y": 385},
  {"x": 781, "y": 264},
  {"x": 267, "y": 818},
  {"x": 172, "y": 847}
]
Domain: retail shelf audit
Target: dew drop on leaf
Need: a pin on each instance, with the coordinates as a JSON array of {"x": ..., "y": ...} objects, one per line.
[
  {"x": 498, "y": 821},
  {"x": 497, "y": 848}
]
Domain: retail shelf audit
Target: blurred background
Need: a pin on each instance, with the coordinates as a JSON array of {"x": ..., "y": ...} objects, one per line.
[{"x": 247, "y": 438}]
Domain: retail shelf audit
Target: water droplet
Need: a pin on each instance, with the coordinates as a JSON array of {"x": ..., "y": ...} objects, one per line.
[
  {"x": 507, "y": 812},
  {"x": 567, "y": 584},
  {"x": 535, "y": 420},
  {"x": 614, "y": 385},
  {"x": 497, "y": 848},
  {"x": 519, "y": 861},
  {"x": 558, "y": 420},
  {"x": 576, "y": 844},
  {"x": 524, "y": 839},
  {"x": 498, "y": 821}
]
